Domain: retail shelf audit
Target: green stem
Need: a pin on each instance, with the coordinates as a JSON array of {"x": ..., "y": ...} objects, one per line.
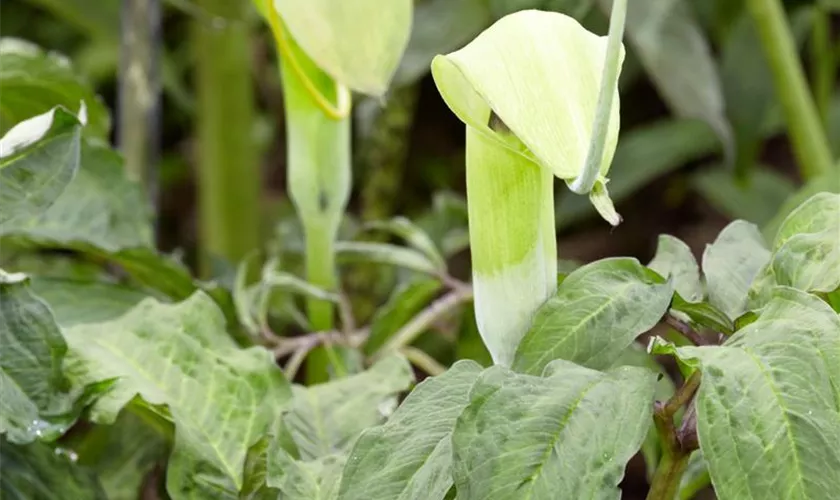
[
  {"x": 139, "y": 93},
  {"x": 810, "y": 144},
  {"x": 666, "y": 480},
  {"x": 320, "y": 271},
  {"x": 823, "y": 62},
  {"x": 229, "y": 171}
]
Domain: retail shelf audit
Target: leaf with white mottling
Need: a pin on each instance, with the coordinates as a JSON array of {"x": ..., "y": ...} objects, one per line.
[
  {"x": 674, "y": 259},
  {"x": 597, "y": 312},
  {"x": 410, "y": 456},
  {"x": 325, "y": 419},
  {"x": 568, "y": 434},
  {"x": 768, "y": 407},
  {"x": 179, "y": 359},
  {"x": 730, "y": 265}
]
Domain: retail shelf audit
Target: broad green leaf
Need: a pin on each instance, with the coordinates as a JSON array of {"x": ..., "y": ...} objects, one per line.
[
  {"x": 358, "y": 43},
  {"x": 756, "y": 201},
  {"x": 77, "y": 302},
  {"x": 406, "y": 301},
  {"x": 807, "y": 247},
  {"x": 596, "y": 313},
  {"x": 566, "y": 435},
  {"x": 828, "y": 182},
  {"x": 768, "y": 407},
  {"x": 414, "y": 236},
  {"x": 99, "y": 207},
  {"x": 676, "y": 55},
  {"x": 674, "y": 259},
  {"x": 180, "y": 361},
  {"x": 304, "y": 480},
  {"x": 410, "y": 456},
  {"x": 35, "y": 82},
  {"x": 122, "y": 454},
  {"x": 703, "y": 314},
  {"x": 35, "y": 396},
  {"x": 644, "y": 154},
  {"x": 37, "y": 472},
  {"x": 38, "y": 158},
  {"x": 730, "y": 265},
  {"x": 327, "y": 418},
  {"x": 384, "y": 253},
  {"x": 516, "y": 70}
]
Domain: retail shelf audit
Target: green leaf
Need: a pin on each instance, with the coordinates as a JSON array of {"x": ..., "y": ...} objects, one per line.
[
  {"x": 327, "y": 418},
  {"x": 703, "y": 314},
  {"x": 518, "y": 69},
  {"x": 38, "y": 158},
  {"x": 566, "y": 435},
  {"x": 757, "y": 201},
  {"x": 36, "y": 471},
  {"x": 410, "y": 456},
  {"x": 77, "y": 302},
  {"x": 768, "y": 407},
  {"x": 597, "y": 312},
  {"x": 34, "y": 394},
  {"x": 305, "y": 480},
  {"x": 644, "y": 154},
  {"x": 674, "y": 259},
  {"x": 180, "y": 361},
  {"x": 99, "y": 207},
  {"x": 122, "y": 455},
  {"x": 383, "y": 253},
  {"x": 731, "y": 264},
  {"x": 358, "y": 43},
  {"x": 676, "y": 55},
  {"x": 98, "y": 18},
  {"x": 829, "y": 182},
  {"x": 807, "y": 247},
  {"x": 35, "y": 82},
  {"x": 414, "y": 236},
  {"x": 406, "y": 301}
]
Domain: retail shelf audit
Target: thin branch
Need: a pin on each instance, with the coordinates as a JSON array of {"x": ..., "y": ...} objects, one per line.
[
  {"x": 685, "y": 330},
  {"x": 683, "y": 395},
  {"x": 425, "y": 319},
  {"x": 421, "y": 360},
  {"x": 296, "y": 360},
  {"x": 289, "y": 345}
]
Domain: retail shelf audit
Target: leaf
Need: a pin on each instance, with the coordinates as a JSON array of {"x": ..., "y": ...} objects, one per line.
[
  {"x": 410, "y": 456},
  {"x": 644, "y": 154},
  {"x": 95, "y": 17},
  {"x": 406, "y": 301},
  {"x": 676, "y": 55},
  {"x": 414, "y": 236},
  {"x": 768, "y": 407},
  {"x": 358, "y": 43},
  {"x": 597, "y": 312},
  {"x": 807, "y": 247},
  {"x": 35, "y": 397},
  {"x": 180, "y": 361},
  {"x": 566, "y": 435},
  {"x": 122, "y": 454},
  {"x": 828, "y": 182},
  {"x": 325, "y": 419},
  {"x": 34, "y": 82},
  {"x": 311, "y": 480},
  {"x": 99, "y": 207},
  {"x": 757, "y": 201},
  {"x": 731, "y": 264},
  {"x": 551, "y": 114},
  {"x": 78, "y": 302},
  {"x": 35, "y": 472},
  {"x": 704, "y": 314},
  {"x": 674, "y": 259},
  {"x": 383, "y": 253},
  {"x": 38, "y": 158}
]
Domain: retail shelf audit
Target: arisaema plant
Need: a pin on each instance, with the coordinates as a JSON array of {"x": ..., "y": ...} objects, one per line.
[
  {"x": 538, "y": 94},
  {"x": 327, "y": 49}
]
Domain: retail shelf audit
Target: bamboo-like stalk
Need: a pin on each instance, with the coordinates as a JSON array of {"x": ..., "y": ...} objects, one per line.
[
  {"x": 810, "y": 144},
  {"x": 139, "y": 92},
  {"x": 228, "y": 167}
]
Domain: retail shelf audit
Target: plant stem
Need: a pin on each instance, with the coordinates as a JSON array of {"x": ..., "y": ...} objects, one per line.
[
  {"x": 139, "y": 92},
  {"x": 420, "y": 359},
  {"x": 228, "y": 168},
  {"x": 823, "y": 62},
  {"x": 685, "y": 330},
  {"x": 425, "y": 319},
  {"x": 666, "y": 480},
  {"x": 810, "y": 144}
]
